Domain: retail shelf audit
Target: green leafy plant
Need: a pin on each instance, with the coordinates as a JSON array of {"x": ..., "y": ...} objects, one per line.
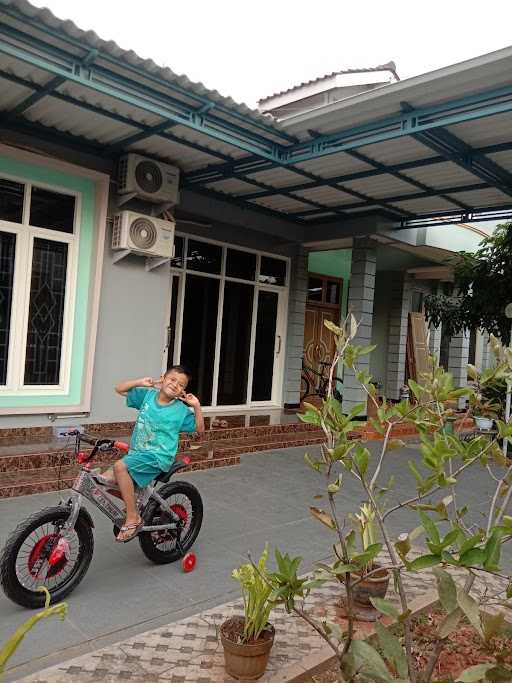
[
  {"x": 256, "y": 586},
  {"x": 449, "y": 540},
  {"x": 6, "y": 651},
  {"x": 470, "y": 307}
]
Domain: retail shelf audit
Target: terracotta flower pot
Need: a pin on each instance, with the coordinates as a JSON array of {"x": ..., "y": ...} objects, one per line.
[
  {"x": 374, "y": 586},
  {"x": 245, "y": 661}
]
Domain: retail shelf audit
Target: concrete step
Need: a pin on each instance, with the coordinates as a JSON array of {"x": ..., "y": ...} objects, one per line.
[
  {"x": 34, "y": 468},
  {"x": 42, "y": 480}
]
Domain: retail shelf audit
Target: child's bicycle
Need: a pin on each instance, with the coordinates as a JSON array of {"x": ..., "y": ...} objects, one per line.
[{"x": 53, "y": 547}]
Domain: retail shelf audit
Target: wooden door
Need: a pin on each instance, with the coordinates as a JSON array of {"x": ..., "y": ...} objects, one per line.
[
  {"x": 326, "y": 305},
  {"x": 417, "y": 346}
]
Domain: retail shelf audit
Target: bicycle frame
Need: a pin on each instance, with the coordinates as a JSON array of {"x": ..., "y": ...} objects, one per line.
[
  {"x": 318, "y": 380},
  {"x": 87, "y": 486}
]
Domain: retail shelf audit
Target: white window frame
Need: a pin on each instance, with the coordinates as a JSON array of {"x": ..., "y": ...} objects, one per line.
[
  {"x": 281, "y": 326},
  {"x": 25, "y": 235}
]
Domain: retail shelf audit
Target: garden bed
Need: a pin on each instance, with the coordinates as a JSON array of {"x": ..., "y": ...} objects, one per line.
[{"x": 463, "y": 648}]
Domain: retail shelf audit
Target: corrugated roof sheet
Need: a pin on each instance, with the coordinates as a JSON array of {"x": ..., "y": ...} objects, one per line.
[
  {"x": 91, "y": 39},
  {"x": 103, "y": 120},
  {"x": 389, "y": 66}
]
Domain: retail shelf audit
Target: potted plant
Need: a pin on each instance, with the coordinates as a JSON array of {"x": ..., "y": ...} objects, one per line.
[
  {"x": 484, "y": 411},
  {"x": 371, "y": 581},
  {"x": 248, "y": 639}
]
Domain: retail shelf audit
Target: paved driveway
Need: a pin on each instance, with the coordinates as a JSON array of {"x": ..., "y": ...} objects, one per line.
[{"x": 265, "y": 499}]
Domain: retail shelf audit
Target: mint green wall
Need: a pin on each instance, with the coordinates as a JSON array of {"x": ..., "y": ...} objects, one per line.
[
  {"x": 336, "y": 263},
  {"x": 36, "y": 173}
]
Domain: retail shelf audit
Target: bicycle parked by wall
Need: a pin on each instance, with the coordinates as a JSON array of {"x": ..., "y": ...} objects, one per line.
[
  {"x": 54, "y": 547},
  {"x": 315, "y": 383}
]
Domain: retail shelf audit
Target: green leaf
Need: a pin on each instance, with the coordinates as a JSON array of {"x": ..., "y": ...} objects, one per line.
[
  {"x": 450, "y": 538},
  {"x": 350, "y": 540},
  {"x": 377, "y": 426},
  {"x": 449, "y": 623},
  {"x": 310, "y": 418},
  {"x": 471, "y": 542},
  {"x": 369, "y": 663},
  {"x": 392, "y": 649},
  {"x": 473, "y": 558},
  {"x": 356, "y": 410},
  {"x": 361, "y": 459},
  {"x": 385, "y": 607},
  {"x": 492, "y": 624},
  {"x": 493, "y": 550},
  {"x": 420, "y": 481},
  {"x": 332, "y": 327},
  {"x": 499, "y": 674},
  {"x": 314, "y": 464},
  {"x": 430, "y": 528},
  {"x": 365, "y": 350},
  {"x": 470, "y": 608},
  {"x": 393, "y": 444},
  {"x": 403, "y": 545},
  {"x": 424, "y": 562},
  {"x": 446, "y": 588},
  {"x": 335, "y": 486},
  {"x": 369, "y": 554},
  {"x": 415, "y": 388},
  {"x": 475, "y": 673}
]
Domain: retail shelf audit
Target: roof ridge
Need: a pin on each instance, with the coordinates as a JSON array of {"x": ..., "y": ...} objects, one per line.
[{"x": 388, "y": 66}]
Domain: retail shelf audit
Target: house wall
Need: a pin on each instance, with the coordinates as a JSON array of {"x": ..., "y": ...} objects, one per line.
[
  {"x": 295, "y": 332},
  {"x": 380, "y": 327},
  {"x": 133, "y": 320}
]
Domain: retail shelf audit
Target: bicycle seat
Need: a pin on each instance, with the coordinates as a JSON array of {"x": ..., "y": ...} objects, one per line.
[{"x": 164, "y": 477}]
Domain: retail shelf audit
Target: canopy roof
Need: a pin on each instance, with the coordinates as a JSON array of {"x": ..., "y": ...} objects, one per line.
[{"x": 430, "y": 148}]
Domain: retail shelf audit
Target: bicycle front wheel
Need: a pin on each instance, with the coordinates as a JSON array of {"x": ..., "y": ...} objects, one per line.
[{"x": 25, "y": 566}]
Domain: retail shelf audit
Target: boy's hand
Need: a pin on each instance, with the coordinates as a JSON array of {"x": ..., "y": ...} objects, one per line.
[
  {"x": 147, "y": 382},
  {"x": 191, "y": 400}
]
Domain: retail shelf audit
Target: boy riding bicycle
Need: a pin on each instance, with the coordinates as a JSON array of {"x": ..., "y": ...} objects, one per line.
[{"x": 164, "y": 411}]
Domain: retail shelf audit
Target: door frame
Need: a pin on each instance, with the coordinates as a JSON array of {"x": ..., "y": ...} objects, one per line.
[{"x": 281, "y": 323}]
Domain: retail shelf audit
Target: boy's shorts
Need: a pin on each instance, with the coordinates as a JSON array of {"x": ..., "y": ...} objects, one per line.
[{"x": 142, "y": 468}]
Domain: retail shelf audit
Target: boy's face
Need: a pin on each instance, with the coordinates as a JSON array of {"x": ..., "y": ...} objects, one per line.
[{"x": 174, "y": 384}]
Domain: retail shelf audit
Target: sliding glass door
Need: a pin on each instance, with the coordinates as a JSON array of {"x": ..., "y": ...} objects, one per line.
[{"x": 227, "y": 322}]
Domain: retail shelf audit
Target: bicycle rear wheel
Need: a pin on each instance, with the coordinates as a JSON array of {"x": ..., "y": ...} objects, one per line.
[
  {"x": 335, "y": 392},
  {"x": 161, "y": 547},
  {"x": 305, "y": 389}
]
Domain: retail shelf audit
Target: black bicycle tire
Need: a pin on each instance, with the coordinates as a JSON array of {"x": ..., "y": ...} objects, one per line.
[
  {"x": 8, "y": 578},
  {"x": 303, "y": 395},
  {"x": 145, "y": 538}
]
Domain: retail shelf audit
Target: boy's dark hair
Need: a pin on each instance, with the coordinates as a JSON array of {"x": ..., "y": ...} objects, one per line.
[{"x": 182, "y": 369}]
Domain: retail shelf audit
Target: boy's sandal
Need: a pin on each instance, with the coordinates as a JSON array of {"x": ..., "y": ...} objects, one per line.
[{"x": 131, "y": 529}]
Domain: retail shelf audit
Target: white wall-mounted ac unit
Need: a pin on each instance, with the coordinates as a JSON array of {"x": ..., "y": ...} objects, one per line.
[
  {"x": 143, "y": 235},
  {"x": 148, "y": 179}
]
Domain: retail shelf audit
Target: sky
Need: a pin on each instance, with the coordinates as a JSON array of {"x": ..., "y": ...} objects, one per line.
[{"x": 249, "y": 50}]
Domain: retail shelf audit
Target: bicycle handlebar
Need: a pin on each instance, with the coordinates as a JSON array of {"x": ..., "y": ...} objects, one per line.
[{"x": 99, "y": 444}]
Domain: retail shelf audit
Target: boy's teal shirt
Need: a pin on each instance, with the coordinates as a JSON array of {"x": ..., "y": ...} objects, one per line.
[{"x": 158, "y": 425}]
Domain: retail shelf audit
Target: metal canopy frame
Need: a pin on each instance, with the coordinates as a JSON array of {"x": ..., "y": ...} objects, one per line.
[{"x": 266, "y": 146}]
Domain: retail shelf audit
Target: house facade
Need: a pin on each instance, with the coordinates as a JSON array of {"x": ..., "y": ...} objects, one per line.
[{"x": 259, "y": 201}]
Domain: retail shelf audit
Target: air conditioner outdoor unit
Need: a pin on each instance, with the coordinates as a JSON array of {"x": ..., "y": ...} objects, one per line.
[
  {"x": 143, "y": 235},
  {"x": 148, "y": 179}
]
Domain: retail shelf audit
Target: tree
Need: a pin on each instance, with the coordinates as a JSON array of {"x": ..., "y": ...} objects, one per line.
[{"x": 482, "y": 289}]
